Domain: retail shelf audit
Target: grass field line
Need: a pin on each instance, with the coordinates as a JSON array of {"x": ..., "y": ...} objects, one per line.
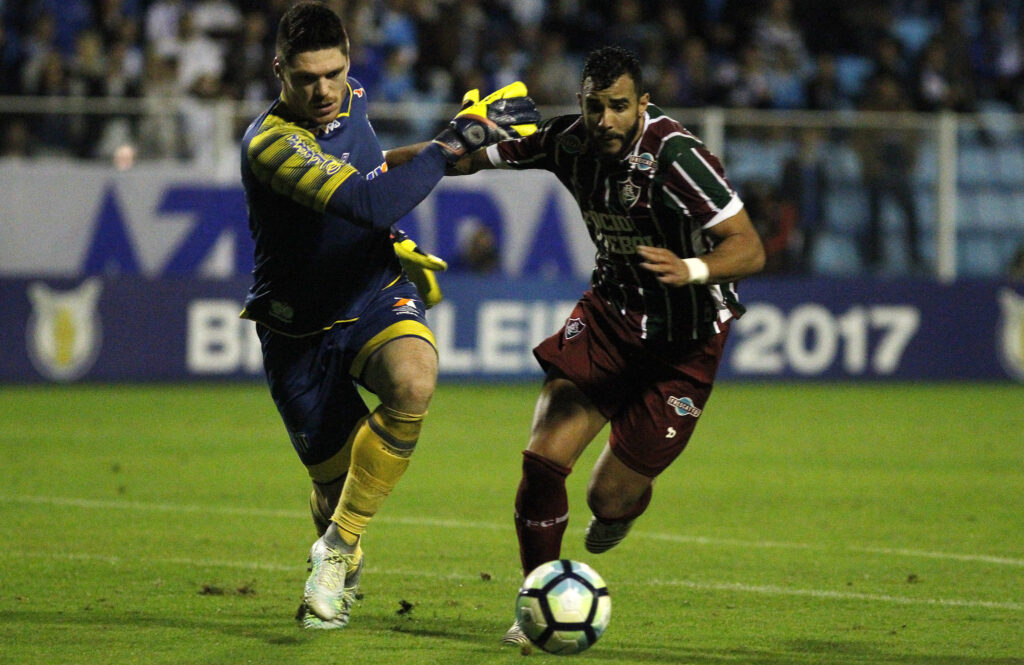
[
  {"x": 466, "y": 524},
  {"x": 731, "y": 587}
]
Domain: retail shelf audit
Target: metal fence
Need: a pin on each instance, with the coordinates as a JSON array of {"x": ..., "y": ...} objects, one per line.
[{"x": 844, "y": 193}]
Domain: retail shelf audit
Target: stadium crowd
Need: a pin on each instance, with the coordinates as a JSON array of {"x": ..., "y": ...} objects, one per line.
[
  {"x": 174, "y": 57},
  {"x": 776, "y": 54}
]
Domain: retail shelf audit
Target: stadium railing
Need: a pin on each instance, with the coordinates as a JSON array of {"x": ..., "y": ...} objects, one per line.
[{"x": 966, "y": 170}]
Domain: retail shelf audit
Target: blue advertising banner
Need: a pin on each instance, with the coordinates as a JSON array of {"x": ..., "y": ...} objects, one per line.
[{"x": 182, "y": 329}]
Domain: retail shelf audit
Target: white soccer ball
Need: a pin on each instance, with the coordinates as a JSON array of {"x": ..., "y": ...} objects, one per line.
[{"x": 563, "y": 606}]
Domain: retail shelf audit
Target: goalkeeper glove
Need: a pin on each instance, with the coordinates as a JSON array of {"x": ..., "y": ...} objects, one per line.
[
  {"x": 504, "y": 114},
  {"x": 419, "y": 266}
]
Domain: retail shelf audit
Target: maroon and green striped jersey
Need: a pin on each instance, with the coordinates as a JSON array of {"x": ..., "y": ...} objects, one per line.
[{"x": 667, "y": 192}]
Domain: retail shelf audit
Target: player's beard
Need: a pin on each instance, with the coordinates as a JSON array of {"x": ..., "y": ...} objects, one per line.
[{"x": 627, "y": 139}]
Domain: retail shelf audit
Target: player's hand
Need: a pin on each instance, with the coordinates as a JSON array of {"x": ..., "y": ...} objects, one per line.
[
  {"x": 666, "y": 266},
  {"x": 505, "y": 113},
  {"x": 419, "y": 266}
]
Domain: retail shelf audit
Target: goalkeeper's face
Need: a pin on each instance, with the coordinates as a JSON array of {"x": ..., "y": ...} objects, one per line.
[
  {"x": 313, "y": 83},
  {"x": 612, "y": 115}
]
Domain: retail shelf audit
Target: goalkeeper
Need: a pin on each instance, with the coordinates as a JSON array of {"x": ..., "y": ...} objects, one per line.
[{"x": 333, "y": 307}]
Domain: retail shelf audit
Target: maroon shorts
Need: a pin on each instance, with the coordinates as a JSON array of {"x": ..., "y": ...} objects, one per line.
[{"x": 653, "y": 398}]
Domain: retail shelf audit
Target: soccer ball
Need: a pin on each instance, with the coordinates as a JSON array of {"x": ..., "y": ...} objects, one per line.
[{"x": 563, "y": 606}]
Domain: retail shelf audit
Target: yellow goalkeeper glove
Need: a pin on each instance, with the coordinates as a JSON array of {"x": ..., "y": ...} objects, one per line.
[
  {"x": 503, "y": 114},
  {"x": 419, "y": 266},
  {"x": 517, "y": 89}
]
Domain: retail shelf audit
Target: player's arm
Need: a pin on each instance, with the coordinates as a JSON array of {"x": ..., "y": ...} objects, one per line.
[
  {"x": 505, "y": 113},
  {"x": 289, "y": 160},
  {"x": 398, "y": 156},
  {"x": 738, "y": 253},
  {"x": 477, "y": 160}
]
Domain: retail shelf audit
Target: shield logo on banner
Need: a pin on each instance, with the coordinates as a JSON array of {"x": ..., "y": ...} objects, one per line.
[
  {"x": 64, "y": 330},
  {"x": 1011, "y": 333}
]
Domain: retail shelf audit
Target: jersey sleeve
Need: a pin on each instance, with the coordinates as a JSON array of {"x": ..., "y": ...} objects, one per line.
[
  {"x": 289, "y": 160},
  {"x": 694, "y": 182},
  {"x": 536, "y": 151}
]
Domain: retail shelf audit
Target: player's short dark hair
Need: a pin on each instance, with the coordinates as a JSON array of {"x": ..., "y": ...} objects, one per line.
[
  {"x": 309, "y": 26},
  {"x": 606, "y": 64}
]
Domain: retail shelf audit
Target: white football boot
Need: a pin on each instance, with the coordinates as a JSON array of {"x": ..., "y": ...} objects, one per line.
[{"x": 333, "y": 581}]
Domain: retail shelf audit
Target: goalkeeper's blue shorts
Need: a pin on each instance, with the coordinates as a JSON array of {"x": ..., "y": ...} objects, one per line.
[{"x": 313, "y": 379}]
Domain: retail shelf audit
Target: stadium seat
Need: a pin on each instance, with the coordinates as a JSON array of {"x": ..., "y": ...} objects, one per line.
[{"x": 852, "y": 72}]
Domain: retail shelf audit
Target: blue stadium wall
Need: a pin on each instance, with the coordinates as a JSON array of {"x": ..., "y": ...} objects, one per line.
[{"x": 139, "y": 276}]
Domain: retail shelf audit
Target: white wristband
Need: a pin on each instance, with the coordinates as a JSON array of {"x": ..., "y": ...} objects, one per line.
[{"x": 699, "y": 272}]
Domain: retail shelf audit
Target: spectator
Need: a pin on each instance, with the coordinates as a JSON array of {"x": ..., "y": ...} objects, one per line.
[
  {"x": 218, "y": 19},
  {"x": 478, "y": 250},
  {"x": 696, "y": 86},
  {"x": 823, "y": 90},
  {"x": 10, "y": 62},
  {"x": 997, "y": 56},
  {"x": 936, "y": 87},
  {"x": 247, "y": 74},
  {"x": 747, "y": 80},
  {"x": 887, "y": 158},
  {"x": 36, "y": 49},
  {"x": 162, "y": 26},
  {"x": 198, "y": 56},
  {"x": 550, "y": 69},
  {"x": 86, "y": 77},
  {"x": 51, "y": 129},
  {"x": 802, "y": 197},
  {"x": 504, "y": 63},
  {"x": 890, "y": 58},
  {"x": 160, "y": 132}
]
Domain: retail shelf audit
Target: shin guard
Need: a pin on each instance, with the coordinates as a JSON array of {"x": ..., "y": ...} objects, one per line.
[{"x": 381, "y": 449}]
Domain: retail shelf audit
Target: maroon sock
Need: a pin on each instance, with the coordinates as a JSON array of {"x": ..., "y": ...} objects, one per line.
[
  {"x": 542, "y": 510},
  {"x": 635, "y": 511}
]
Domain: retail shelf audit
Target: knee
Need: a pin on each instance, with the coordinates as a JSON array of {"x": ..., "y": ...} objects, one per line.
[{"x": 412, "y": 392}]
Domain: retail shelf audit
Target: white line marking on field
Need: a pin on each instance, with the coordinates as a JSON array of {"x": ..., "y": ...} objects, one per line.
[
  {"x": 492, "y": 526},
  {"x": 772, "y": 590},
  {"x": 737, "y": 587}
]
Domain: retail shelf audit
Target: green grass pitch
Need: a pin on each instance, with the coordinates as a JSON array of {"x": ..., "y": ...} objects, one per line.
[{"x": 811, "y": 524}]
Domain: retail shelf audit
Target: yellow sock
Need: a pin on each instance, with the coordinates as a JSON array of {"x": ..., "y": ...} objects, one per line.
[{"x": 381, "y": 448}]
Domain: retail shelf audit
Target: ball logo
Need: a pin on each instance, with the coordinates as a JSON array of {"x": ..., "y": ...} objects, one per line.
[
  {"x": 1011, "y": 333},
  {"x": 64, "y": 330}
]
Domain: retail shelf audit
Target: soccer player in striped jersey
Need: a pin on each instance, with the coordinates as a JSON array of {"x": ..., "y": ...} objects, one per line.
[
  {"x": 333, "y": 306},
  {"x": 642, "y": 346}
]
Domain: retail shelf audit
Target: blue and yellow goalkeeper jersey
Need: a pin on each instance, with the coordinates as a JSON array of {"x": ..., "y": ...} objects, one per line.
[{"x": 313, "y": 267}]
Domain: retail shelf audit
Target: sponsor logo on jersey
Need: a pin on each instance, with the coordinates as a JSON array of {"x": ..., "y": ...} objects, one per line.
[
  {"x": 573, "y": 327},
  {"x": 643, "y": 162},
  {"x": 570, "y": 143},
  {"x": 359, "y": 92},
  {"x": 281, "y": 311},
  {"x": 684, "y": 406},
  {"x": 1011, "y": 333},
  {"x": 313, "y": 156},
  {"x": 64, "y": 330},
  {"x": 331, "y": 126},
  {"x": 405, "y": 306},
  {"x": 377, "y": 171}
]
